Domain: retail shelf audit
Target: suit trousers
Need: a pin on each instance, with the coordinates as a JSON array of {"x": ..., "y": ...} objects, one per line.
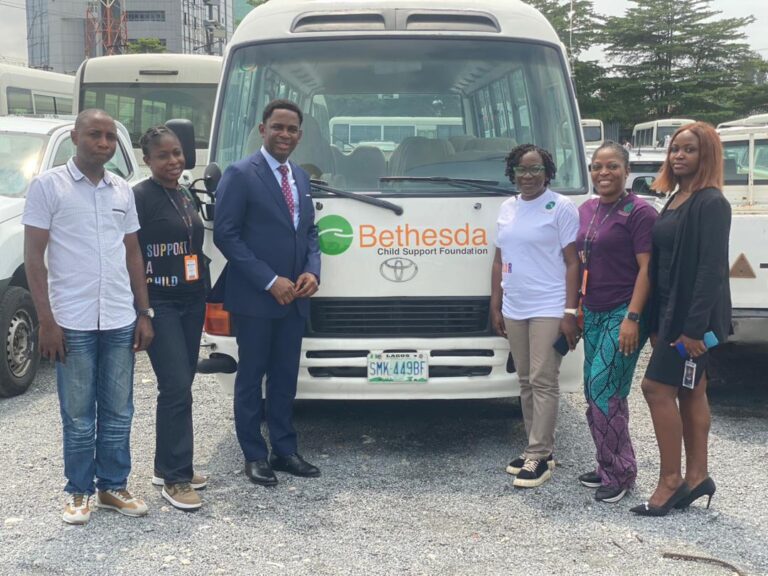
[
  {"x": 268, "y": 347},
  {"x": 538, "y": 369}
]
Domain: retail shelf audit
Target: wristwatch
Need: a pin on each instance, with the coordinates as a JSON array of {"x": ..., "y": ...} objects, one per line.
[
  {"x": 634, "y": 316},
  {"x": 148, "y": 312},
  {"x": 571, "y": 311}
]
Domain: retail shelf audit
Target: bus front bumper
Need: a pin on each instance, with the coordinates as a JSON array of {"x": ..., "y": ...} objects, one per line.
[{"x": 336, "y": 369}]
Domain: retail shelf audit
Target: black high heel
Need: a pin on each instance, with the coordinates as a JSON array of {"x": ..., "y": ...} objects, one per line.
[
  {"x": 646, "y": 509},
  {"x": 705, "y": 488}
]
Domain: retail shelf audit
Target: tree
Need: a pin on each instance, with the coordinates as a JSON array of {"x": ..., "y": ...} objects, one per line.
[
  {"x": 579, "y": 31},
  {"x": 676, "y": 58},
  {"x": 146, "y": 46}
]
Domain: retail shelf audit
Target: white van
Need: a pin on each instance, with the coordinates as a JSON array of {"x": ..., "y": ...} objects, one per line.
[
  {"x": 30, "y": 91},
  {"x": 28, "y": 146},
  {"x": 653, "y": 134},
  {"x": 594, "y": 134},
  {"x": 745, "y": 152},
  {"x": 407, "y": 239}
]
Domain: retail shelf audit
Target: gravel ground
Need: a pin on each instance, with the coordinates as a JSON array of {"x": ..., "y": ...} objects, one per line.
[{"x": 407, "y": 488}]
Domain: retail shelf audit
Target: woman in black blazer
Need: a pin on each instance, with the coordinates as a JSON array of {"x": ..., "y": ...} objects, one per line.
[{"x": 690, "y": 299}]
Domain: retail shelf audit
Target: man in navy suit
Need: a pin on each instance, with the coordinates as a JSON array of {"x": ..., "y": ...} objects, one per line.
[{"x": 265, "y": 227}]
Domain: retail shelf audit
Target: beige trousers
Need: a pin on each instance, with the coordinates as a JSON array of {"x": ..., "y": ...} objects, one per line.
[{"x": 538, "y": 368}]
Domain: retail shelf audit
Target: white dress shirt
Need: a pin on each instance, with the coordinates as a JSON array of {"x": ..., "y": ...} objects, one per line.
[
  {"x": 274, "y": 165},
  {"x": 88, "y": 283}
]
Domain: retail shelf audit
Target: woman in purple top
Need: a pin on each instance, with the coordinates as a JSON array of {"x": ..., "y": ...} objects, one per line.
[{"x": 614, "y": 244}]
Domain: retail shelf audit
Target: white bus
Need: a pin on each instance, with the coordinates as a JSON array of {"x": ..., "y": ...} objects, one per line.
[
  {"x": 654, "y": 133},
  {"x": 594, "y": 134},
  {"x": 142, "y": 90},
  {"x": 27, "y": 91},
  {"x": 745, "y": 152},
  {"x": 754, "y": 120},
  {"x": 406, "y": 257}
]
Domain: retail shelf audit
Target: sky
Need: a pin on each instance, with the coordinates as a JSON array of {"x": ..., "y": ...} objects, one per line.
[{"x": 13, "y": 40}]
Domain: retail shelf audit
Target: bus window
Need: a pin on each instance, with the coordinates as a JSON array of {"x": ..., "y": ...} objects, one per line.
[
  {"x": 44, "y": 104},
  {"x": 19, "y": 101},
  {"x": 761, "y": 162},
  {"x": 736, "y": 162}
]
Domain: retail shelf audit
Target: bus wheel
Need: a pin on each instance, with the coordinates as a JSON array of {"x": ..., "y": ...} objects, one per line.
[{"x": 20, "y": 356}]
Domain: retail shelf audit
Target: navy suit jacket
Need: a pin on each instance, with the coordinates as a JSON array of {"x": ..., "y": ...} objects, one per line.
[{"x": 255, "y": 233}]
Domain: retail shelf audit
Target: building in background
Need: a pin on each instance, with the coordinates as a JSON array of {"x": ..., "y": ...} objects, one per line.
[
  {"x": 183, "y": 26},
  {"x": 61, "y": 34}
]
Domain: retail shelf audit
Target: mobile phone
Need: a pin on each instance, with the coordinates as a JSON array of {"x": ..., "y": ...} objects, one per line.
[
  {"x": 710, "y": 341},
  {"x": 561, "y": 345}
]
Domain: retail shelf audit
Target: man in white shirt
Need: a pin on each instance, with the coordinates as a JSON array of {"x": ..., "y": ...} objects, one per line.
[{"x": 87, "y": 301}]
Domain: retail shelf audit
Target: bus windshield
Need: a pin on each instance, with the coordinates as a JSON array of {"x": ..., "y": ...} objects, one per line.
[
  {"x": 592, "y": 134},
  {"x": 415, "y": 107},
  {"x": 140, "y": 106}
]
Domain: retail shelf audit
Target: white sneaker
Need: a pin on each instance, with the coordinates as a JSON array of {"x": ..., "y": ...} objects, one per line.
[
  {"x": 121, "y": 501},
  {"x": 78, "y": 509}
]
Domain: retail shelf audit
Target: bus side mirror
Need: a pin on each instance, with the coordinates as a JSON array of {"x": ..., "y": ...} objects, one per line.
[
  {"x": 211, "y": 177},
  {"x": 185, "y": 132}
]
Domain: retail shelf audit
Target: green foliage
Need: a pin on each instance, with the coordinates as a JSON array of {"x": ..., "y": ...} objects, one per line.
[
  {"x": 146, "y": 46},
  {"x": 677, "y": 58},
  {"x": 665, "y": 58}
]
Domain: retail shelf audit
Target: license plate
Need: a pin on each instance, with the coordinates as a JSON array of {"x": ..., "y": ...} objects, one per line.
[{"x": 398, "y": 367}]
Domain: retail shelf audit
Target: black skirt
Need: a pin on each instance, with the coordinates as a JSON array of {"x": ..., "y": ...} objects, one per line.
[{"x": 667, "y": 366}]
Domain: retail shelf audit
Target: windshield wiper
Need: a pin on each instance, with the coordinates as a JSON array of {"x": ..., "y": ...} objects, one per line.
[
  {"x": 464, "y": 183},
  {"x": 323, "y": 187}
]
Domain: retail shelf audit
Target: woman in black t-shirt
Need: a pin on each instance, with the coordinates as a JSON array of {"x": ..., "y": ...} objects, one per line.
[{"x": 171, "y": 239}]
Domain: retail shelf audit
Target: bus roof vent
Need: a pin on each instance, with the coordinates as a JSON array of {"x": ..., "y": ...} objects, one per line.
[
  {"x": 339, "y": 21},
  {"x": 445, "y": 20}
]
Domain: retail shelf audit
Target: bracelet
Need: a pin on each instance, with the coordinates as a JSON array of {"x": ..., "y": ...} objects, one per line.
[{"x": 571, "y": 311}]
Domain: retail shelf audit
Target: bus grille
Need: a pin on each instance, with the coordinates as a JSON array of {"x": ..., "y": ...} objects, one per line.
[{"x": 382, "y": 317}]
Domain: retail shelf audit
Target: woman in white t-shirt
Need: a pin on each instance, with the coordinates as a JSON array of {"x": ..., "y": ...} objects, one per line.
[{"x": 534, "y": 297}]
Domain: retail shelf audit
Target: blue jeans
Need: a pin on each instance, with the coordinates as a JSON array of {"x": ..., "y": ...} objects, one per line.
[
  {"x": 178, "y": 324},
  {"x": 95, "y": 386}
]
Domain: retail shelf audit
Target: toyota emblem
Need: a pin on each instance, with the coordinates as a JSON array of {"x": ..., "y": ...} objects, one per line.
[{"x": 398, "y": 269}]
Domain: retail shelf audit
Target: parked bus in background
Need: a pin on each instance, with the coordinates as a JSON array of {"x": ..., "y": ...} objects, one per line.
[
  {"x": 27, "y": 91},
  {"x": 594, "y": 134},
  {"x": 386, "y": 132},
  {"x": 745, "y": 154},
  {"x": 654, "y": 133},
  {"x": 754, "y": 120},
  {"x": 143, "y": 90},
  {"x": 407, "y": 240}
]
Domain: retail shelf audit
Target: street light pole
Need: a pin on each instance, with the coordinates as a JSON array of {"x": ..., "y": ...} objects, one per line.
[{"x": 570, "y": 33}]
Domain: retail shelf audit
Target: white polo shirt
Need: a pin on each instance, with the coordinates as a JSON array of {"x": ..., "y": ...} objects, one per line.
[
  {"x": 531, "y": 235},
  {"x": 88, "y": 283}
]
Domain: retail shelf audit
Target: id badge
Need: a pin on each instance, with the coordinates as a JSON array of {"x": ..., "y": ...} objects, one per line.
[
  {"x": 689, "y": 374},
  {"x": 584, "y": 277},
  {"x": 191, "y": 271}
]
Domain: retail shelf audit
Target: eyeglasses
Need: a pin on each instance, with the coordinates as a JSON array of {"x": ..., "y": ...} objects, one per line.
[
  {"x": 534, "y": 170},
  {"x": 612, "y": 166}
]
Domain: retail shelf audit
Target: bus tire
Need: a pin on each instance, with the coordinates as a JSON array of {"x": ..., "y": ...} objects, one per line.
[{"x": 20, "y": 356}]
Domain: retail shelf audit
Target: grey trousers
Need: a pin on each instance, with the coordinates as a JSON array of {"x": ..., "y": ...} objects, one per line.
[{"x": 538, "y": 368}]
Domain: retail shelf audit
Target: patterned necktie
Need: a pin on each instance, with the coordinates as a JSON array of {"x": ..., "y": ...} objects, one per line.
[{"x": 286, "y": 188}]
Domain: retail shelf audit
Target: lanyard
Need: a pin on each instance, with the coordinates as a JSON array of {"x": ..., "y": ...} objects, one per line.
[
  {"x": 183, "y": 212},
  {"x": 590, "y": 237}
]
